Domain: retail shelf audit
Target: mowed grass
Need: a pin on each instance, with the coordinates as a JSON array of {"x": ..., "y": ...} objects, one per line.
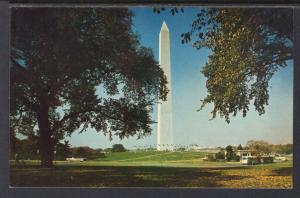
[
  {"x": 153, "y": 156},
  {"x": 152, "y": 169}
]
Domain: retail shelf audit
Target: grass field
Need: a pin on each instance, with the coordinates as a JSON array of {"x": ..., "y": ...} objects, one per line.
[{"x": 153, "y": 169}]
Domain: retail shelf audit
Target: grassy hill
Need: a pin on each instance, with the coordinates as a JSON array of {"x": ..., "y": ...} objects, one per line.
[{"x": 152, "y": 156}]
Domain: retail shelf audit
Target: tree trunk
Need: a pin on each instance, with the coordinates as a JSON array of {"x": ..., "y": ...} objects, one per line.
[
  {"x": 45, "y": 140},
  {"x": 12, "y": 143}
]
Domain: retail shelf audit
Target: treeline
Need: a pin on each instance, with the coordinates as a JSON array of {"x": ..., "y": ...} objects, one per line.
[
  {"x": 282, "y": 149},
  {"x": 25, "y": 148},
  {"x": 258, "y": 148},
  {"x": 263, "y": 147},
  {"x": 29, "y": 149},
  {"x": 86, "y": 152}
]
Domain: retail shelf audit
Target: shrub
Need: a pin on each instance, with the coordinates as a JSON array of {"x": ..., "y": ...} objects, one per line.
[
  {"x": 220, "y": 155},
  {"x": 229, "y": 153},
  {"x": 87, "y": 152},
  {"x": 118, "y": 148},
  {"x": 267, "y": 159},
  {"x": 253, "y": 160},
  {"x": 108, "y": 150},
  {"x": 210, "y": 158},
  {"x": 180, "y": 149},
  {"x": 235, "y": 157}
]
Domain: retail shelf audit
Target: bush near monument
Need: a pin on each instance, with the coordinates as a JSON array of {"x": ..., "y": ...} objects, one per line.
[
  {"x": 267, "y": 159},
  {"x": 220, "y": 155},
  {"x": 230, "y": 154},
  {"x": 118, "y": 148},
  {"x": 87, "y": 153}
]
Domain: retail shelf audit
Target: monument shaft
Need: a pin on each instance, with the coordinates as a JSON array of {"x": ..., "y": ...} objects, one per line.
[{"x": 164, "y": 127}]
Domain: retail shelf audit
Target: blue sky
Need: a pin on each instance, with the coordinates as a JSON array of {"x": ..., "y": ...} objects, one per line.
[{"x": 188, "y": 86}]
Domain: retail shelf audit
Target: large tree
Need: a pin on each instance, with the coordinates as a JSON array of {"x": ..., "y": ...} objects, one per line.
[
  {"x": 248, "y": 46},
  {"x": 259, "y": 146},
  {"x": 61, "y": 57}
]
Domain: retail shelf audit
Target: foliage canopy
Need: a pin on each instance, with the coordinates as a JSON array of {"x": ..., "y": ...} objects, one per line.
[
  {"x": 248, "y": 46},
  {"x": 118, "y": 148},
  {"x": 61, "y": 57}
]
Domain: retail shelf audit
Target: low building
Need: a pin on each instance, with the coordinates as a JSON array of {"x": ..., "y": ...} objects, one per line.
[
  {"x": 245, "y": 155},
  {"x": 280, "y": 158},
  {"x": 248, "y": 157},
  {"x": 195, "y": 147}
]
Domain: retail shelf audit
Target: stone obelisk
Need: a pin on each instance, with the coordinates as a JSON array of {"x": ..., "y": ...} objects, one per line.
[{"x": 164, "y": 127}]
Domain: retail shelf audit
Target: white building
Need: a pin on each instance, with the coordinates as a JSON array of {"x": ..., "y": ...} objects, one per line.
[
  {"x": 244, "y": 155},
  {"x": 164, "y": 117},
  {"x": 73, "y": 159}
]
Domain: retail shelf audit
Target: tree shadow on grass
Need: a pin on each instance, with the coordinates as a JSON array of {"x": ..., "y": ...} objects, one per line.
[
  {"x": 284, "y": 171},
  {"x": 119, "y": 176}
]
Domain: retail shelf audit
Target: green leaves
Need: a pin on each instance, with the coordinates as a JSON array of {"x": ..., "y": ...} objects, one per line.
[
  {"x": 67, "y": 54},
  {"x": 248, "y": 48},
  {"x": 186, "y": 37},
  {"x": 173, "y": 11}
]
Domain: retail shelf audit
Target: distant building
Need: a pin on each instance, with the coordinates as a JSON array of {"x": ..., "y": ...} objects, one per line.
[
  {"x": 195, "y": 147},
  {"x": 72, "y": 159},
  {"x": 209, "y": 150},
  {"x": 247, "y": 157},
  {"x": 244, "y": 155}
]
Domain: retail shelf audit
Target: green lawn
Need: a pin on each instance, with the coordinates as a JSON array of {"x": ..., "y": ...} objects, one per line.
[
  {"x": 161, "y": 156},
  {"x": 153, "y": 158},
  {"x": 153, "y": 169}
]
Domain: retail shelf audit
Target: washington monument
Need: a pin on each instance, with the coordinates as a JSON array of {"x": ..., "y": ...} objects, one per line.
[{"x": 164, "y": 117}]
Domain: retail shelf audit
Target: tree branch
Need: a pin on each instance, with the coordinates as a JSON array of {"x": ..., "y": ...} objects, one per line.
[{"x": 29, "y": 104}]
